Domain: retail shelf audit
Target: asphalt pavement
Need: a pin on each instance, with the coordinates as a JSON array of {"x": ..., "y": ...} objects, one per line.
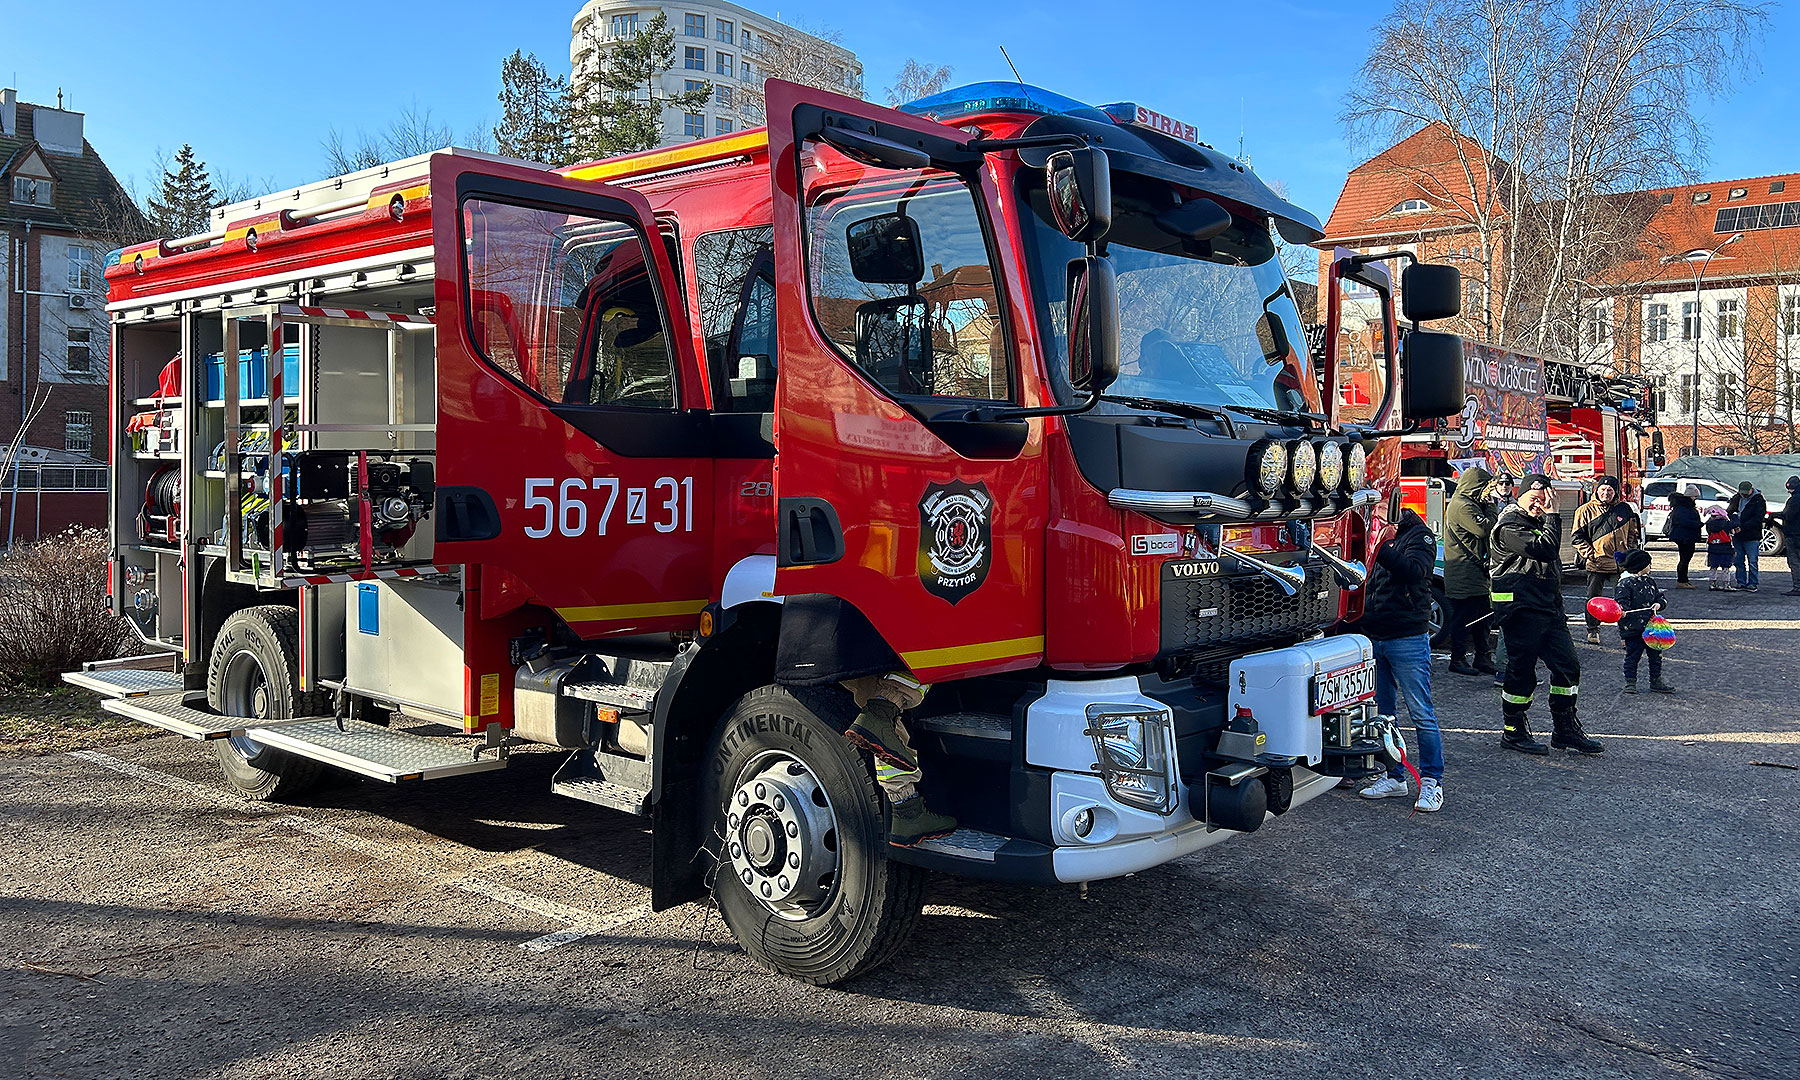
[{"x": 1631, "y": 915}]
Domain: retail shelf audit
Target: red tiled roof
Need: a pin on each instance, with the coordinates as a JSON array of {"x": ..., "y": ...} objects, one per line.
[
  {"x": 1425, "y": 165},
  {"x": 1682, "y": 225}
]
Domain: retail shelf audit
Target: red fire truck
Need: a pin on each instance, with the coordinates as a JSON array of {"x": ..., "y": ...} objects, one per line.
[{"x": 435, "y": 464}]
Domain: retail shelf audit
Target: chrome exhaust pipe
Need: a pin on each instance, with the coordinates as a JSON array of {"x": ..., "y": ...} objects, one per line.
[
  {"x": 1290, "y": 578},
  {"x": 1350, "y": 573}
]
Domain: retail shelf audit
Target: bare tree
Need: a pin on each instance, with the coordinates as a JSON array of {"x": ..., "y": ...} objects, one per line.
[
  {"x": 411, "y": 133},
  {"x": 798, "y": 56},
  {"x": 916, "y": 81}
]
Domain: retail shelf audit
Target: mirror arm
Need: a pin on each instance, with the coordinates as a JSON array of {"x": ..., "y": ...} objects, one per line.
[
  {"x": 1412, "y": 427},
  {"x": 1364, "y": 260}
]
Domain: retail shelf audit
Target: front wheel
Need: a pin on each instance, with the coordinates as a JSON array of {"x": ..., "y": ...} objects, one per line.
[
  {"x": 803, "y": 878},
  {"x": 1438, "y": 622},
  {"x": 1774, "y": 540}
]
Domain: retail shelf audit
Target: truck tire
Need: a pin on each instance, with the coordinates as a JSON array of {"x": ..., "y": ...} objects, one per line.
[
  {"x": 1774, "y": 540},
  {"x": 803, "y": 877},
  {"x": 254, "y": 670},
  {"x": 1438, "y": 622}
]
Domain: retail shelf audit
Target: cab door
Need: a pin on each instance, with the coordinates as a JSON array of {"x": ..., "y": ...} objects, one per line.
[
  {"x": 574, "y": 461},
  {"x": 900, "y": 315}
]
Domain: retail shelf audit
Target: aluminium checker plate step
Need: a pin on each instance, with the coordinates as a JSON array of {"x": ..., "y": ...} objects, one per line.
[
  {"x": 175, "y": 712},
  {"x": 123, "y": 682},
  {"x": 604, "y": 793},
  {"x": 378, "y": 752}
]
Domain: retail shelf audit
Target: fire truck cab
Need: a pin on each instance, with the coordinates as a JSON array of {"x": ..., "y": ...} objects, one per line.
[{"x": 461, "y": 458}]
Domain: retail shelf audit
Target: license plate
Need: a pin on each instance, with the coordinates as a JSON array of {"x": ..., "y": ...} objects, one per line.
[{"x": 1345, "y": 686}]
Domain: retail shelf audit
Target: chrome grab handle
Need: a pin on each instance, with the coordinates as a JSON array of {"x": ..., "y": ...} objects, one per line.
[{"x": 1290, "y": 578}]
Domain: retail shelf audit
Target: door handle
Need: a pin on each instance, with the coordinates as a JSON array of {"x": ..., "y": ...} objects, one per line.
[{"x": 810, "y": 533}]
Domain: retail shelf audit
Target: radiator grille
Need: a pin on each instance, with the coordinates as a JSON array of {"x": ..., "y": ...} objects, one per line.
[{"x": 1235, "y": 607}]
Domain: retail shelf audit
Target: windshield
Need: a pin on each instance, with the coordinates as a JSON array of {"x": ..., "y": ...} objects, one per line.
[{"x": 1208, "y": 322}]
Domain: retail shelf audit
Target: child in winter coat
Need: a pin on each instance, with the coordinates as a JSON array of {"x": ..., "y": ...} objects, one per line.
[
  {"x": 1640, "y": 598},
  {"x": 1718, "y": 551}
]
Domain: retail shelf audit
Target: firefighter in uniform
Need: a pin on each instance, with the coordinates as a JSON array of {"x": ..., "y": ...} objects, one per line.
[{"x": 1526, "y": 566}]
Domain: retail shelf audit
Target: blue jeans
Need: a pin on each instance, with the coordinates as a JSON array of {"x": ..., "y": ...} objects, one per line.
[
  {"x": 1404, "y": 665},
  {"x": 1744, "y": 554}
]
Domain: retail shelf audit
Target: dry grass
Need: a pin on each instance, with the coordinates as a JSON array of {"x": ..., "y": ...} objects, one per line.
[{"x": 35, "y": 721}]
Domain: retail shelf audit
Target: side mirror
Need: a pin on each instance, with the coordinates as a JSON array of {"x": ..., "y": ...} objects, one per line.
[
  {"x": 893, "y": 343},
  {"x": 1431, "y": 375},
  {"x": 1430, "y": 291},
  {"x": 886, "y": 250},
  {"x": 1093, "y": 324},
  {"x": 1079, "y": 184}
]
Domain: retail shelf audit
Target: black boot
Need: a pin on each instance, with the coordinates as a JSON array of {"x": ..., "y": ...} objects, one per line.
[
  {"x": 1458, "y": 666},
  {"x": 1516, "y": 735},
  {"x": 1484, "y": 660},
  {"x": 1568, "y": 735}
]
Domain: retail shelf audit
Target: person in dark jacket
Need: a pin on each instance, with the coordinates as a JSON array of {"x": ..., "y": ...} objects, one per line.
[
  {"x": 1526, "y": 566},
  {"x": 1747, "y": 508},
  {"x": 1395, "y": 619},
  {"x": 1467, "y": 522},
  {"x": 1640, "y": 598},
  {"x": 1684, "y": 529},
  {"x": 1790, "y": 524}
]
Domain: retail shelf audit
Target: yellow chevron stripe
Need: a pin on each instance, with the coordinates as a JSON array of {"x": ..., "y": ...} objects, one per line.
[
  {"x": 970, "y": 654},
  {"x": 616, "y": 612}
]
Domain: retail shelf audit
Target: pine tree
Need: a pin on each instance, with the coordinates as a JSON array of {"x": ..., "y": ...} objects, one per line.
[
  {"x": 187, "y": 195},
  {"x": 532, "y": 126},
  {"x": 617, "y": 107}
]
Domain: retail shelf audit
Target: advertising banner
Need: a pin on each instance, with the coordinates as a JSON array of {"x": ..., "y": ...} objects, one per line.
[{"x": 1503, "y": 426}]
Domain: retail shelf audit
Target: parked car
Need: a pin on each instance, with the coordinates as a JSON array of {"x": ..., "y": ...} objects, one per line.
[
  {"x": 1769, "y": 472},
  {"x": 1656, "y": 501}
]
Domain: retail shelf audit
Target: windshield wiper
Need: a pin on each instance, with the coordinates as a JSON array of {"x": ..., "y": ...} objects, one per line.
[
  {"x": 1280, "y": 416},
  {"x": 1187, "y": 409}
]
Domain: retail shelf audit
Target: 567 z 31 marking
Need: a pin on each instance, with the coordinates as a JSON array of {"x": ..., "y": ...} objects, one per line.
[{"x": 666, "y": 505}]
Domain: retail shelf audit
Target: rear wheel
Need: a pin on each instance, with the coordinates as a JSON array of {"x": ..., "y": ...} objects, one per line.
[
  {"x": 1774, "y": 540},
  {"x": 254, "y": 672},
  {"x": 1438, "y": 621},
  {"x": 803, "y": 878}
]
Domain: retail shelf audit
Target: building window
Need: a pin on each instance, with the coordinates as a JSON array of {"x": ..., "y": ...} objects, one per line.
[
  {"x": 1690, "y": 320},
  {"x": 723, "y": 65},
  {"x": 80, "y": 357},
  {"x": 1659, "y": 394},
  {"x": 1471, "y": 305},
  {"x": 694, "y": 59},
  {"x": 78, "y": 431},
  {"x": 746, "y": 41},
  {"x": 747, "y": 71},
  {"x": 1776, "y": 187},
  {"x": 693, "y": 84},
  {"x": 1687, "y": 395},
  {"x": 694, "y": 126},
  {"x": 1656, "y": 323},
  {"x": 625, "y": 25},
  {"x": 1790, "y": 314},
  {"x": 1728, "y": 320},
  {"x": 1599, "y": 326},
  {"x": 724, "y": 29},
  {"x": 696, "y": 26},
  {"x": 1409, "y": 206},
  {"x": 81, "y": 269},
  {"x": 722, "y": 95},
  {"x": 721, "y": 126},
  {"x": 28, "y": 189},
  {"x": 1725, "y": 392},
  {"x": 1668, "y": 197}
]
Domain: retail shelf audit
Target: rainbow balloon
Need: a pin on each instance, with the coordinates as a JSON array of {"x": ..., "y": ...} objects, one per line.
[{"x": 1658, "y": 634}]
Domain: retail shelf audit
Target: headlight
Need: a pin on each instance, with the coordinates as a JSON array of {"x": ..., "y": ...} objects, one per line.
[
  {"x": 1331, "y": 466},
  {"x": 1268, "y": 467},
  {"x": 1358, "y": 467},
  {"x": 1303, "y": 467},
  {"x": 1134, "y": 749}
]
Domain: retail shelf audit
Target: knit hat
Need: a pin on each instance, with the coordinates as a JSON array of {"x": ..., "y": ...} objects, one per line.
[
  {"x": 1635, "y": 561},
  {"x": 1611, "y": 482},
  {"x": 1793, "y": 483},
  {"x": 1533, "y": 481},
  {"x": 1746, "y": 488}
]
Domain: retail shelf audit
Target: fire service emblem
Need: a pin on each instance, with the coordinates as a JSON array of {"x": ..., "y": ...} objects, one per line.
[{"x": 955, "y": 539}]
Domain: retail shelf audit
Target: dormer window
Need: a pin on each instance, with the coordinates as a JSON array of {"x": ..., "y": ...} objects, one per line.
[
  {"x": 1411, "y": 206},
  {"x": 1703, "y": 196},
  {"x": 31, "y": 190}
]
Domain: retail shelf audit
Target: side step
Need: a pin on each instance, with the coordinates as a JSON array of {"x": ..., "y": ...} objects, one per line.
[
  {"x": 175, "y": 712},
  {"x": 627, "y": 679},
  {"x": 378, "y": 752},
  {"x": 604, "y": 779},
  {"x": 122, "y": 682}
]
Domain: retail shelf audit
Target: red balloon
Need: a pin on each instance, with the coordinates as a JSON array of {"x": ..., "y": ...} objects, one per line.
[{"x": 1605, "y": 608}]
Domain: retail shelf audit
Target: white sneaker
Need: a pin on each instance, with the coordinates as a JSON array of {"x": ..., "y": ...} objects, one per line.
[
  {"x": 1431, "y": 796},
  {"x": 1385, "y": 788}
]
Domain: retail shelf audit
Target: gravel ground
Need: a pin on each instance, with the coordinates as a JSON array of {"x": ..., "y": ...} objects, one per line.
[{"x": 1632, "y": 915}]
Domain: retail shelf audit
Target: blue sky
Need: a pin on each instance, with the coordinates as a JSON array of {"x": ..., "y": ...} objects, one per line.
[{"x": 255, "y": 88}]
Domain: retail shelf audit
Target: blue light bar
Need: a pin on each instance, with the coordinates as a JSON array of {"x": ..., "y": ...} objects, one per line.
[{"x": 990, "y": 97}]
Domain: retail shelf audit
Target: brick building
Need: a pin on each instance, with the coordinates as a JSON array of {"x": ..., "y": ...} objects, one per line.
[
  {"x": 61, "y": 211},
  {"x": 1438, "y": 195}
]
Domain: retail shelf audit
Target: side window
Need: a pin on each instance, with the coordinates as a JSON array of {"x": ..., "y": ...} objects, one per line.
[
  {"x": 564, "y": 305},
  {"x": 901, "y": 279},
  {"x": 735, "y": 272}
]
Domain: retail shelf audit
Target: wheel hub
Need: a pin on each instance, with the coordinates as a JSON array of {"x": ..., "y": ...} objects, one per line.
[{"x": 781, "y": 836}]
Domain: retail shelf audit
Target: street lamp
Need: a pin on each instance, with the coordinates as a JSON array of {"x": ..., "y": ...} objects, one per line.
[{"x": 1701, "y": 256}]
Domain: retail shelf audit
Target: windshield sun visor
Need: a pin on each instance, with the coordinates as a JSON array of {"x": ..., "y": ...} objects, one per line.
[{"x": 1162, "y": 157}]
